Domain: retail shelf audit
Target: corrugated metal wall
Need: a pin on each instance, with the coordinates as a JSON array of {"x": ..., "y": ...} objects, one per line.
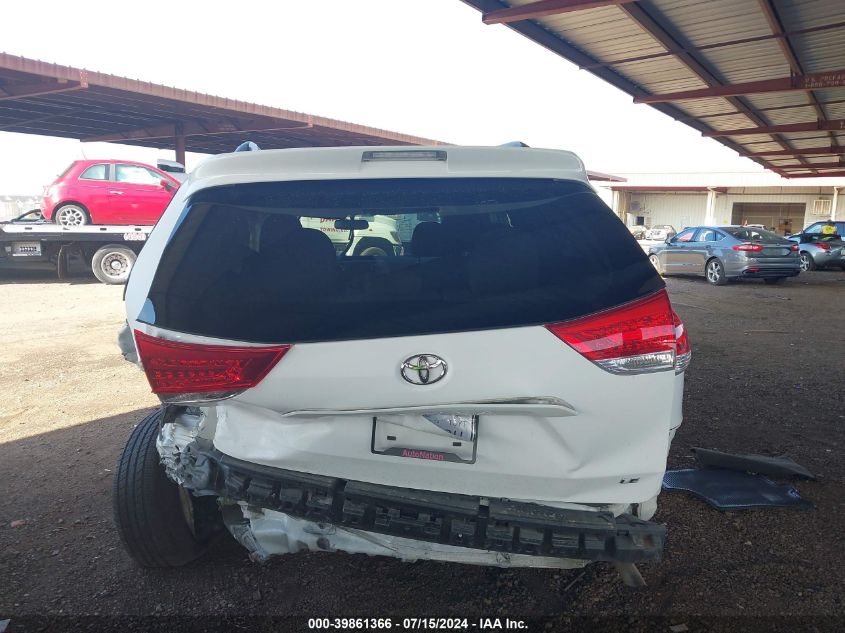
[
  {"x": 688, "y": 209},
  {"x": 677, "y": 209}
]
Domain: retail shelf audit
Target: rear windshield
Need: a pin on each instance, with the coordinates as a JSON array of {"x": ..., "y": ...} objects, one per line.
[
  {"x": 753, "y": 234},
  {"x": 353, "y": 259}
]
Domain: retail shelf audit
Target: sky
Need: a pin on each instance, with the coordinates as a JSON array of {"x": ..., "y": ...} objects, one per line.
[{"x": 424, "y": 67}]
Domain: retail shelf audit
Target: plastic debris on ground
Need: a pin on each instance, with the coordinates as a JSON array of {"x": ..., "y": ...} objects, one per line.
[
  {"x": 761, "y": 464},
  {"x": 730, "y": 490}
]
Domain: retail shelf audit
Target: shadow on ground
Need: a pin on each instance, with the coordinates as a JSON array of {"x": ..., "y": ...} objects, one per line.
[{"x": 12, "y": 276}]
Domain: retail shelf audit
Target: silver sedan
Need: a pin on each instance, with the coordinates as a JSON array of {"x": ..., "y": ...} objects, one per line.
[
  {"x": 722, "y": 253},
  {"x": 820, "y": 251}
]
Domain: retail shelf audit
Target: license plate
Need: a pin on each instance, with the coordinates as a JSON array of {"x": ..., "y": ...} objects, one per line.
[
  {"x": 26, "y": 249},
  {"x": 135, "y": 237},
  {"x": 440, "y": 437}
]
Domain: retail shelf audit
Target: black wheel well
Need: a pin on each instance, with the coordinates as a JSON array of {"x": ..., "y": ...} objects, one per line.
[
  {"x": 114, "y": 245},
  {"x": 65, "y": 203}
]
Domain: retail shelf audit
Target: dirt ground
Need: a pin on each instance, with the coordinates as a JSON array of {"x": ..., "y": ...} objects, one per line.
[{"x": 767, "y": 377}]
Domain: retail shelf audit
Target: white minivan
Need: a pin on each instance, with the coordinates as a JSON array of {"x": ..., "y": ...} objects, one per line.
[{"x": 501, "y": 389}]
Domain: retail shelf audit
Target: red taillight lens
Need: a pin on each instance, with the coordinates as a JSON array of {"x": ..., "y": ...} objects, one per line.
[
  {"x": 794, "y": 247},
  {"x": 683, "y": 351},
  {"x": 634, "y": 338},
  {"x": 185, "y": 369},
  {"x": 823, "y": 246},
  {"x": 748, "y": 247}
]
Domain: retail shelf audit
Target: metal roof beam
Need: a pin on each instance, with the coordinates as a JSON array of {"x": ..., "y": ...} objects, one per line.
[
  {"x": 811, "y": 81},
  {"x": 543, "y": 8},
  {"x": 194, "y": 128},
  {"x": 777, "y": 29},
  {"x": 804, "y": 151},
  {"x": 719, "y": 115},
  {"x": 22, "y": 91},
  {"x": 772, "y": 17},
  {"x": 829, "y": 174},
  {"x": 651, "y": 23},
  {"x": 707, "y": 47},
  {"x": 836, "y": 165},
  {"x": 838, "y": 124},
  {"x": 543, "y": 37}
]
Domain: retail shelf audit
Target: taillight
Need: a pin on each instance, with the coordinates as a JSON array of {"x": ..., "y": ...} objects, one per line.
[
  {"x": 748, "y": 247},
  {"x": 195, "y": 372},
  {"x": 823, "y": 246},
  {"x": 634, "y": 338},
  {"x": 794, "y": 247},
  {"x": 683, "y": 351}
]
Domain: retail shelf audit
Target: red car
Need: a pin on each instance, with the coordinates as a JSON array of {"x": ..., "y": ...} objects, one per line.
[{"x": 108, "y": 192}]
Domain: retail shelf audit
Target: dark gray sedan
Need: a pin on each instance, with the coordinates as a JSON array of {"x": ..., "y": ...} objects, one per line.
[{"x": 722, "y": 253}]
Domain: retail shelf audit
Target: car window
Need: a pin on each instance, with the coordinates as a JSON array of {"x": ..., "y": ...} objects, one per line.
[
  {"x": 706, "y": 235},
  {"x": 685, "y": 236},
  {"x": 818, "y": 229},
  {"x": 278, "y": 262},
  {"x": 136, "y": 175},
  {"x": 819, "y": 226},
  {"x": 751, "y": 234},
  {"x": 95, "y": 172},
  {"x": 66, "y": 170}
]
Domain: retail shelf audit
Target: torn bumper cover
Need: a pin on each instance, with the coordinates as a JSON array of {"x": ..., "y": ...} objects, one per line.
[{"x": 450, "y": 520}]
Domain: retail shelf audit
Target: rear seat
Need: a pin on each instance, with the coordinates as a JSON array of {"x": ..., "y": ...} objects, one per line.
[{"x": 291, "y": 262}]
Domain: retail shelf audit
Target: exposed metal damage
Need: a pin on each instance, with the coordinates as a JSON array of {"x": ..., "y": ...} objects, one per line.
[{"x": 272, "y": 511}]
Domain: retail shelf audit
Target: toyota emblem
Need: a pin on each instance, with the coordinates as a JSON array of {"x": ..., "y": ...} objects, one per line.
[{"x": 423, "y": 369}]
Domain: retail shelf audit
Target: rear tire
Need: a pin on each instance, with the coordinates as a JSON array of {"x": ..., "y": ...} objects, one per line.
[
  {"x": 373, "y": 247},
  {"x": 772, "y": 281},
  {"x": 807, "y": 262},
  {"x": 71, "y": 215},
  {"x": 655, "y": 261},
  {"x": 112, "y": 263},
  {"x": 149, "y": 509},
  {"x": 714, "y": 271}
]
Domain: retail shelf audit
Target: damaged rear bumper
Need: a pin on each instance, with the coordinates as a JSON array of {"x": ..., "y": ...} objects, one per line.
[{"x": 330, "y": 513}]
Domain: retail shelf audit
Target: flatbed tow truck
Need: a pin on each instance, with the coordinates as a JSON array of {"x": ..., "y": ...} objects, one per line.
[{"x": 30, "y": 243}]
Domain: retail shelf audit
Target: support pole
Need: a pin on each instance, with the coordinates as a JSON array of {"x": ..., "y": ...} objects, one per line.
[
  {"x": 710, "y": 211},
  {"x": 616, "y": 202},
  {"x": 179, "y": 140},
  {"x": 834, "y": 202}
]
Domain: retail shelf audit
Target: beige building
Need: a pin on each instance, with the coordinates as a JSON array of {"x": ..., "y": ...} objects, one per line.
[{"x": 763, "y": 198}]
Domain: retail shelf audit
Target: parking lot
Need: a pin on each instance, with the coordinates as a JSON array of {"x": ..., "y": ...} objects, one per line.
[{"x": 766, "y": 377}]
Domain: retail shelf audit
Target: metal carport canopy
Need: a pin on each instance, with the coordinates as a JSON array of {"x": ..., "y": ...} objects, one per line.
[
  {"x": 763, "y": 77},
  {"x": 42, "y": 98}
]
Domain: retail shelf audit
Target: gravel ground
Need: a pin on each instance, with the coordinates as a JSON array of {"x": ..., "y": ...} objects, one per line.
[{"x": 767, "y": 377}]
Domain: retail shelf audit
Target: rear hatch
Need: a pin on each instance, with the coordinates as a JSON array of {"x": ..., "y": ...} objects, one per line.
[
  {"x": 764, "y": 246},
  {"x": 521, "y": 346}
]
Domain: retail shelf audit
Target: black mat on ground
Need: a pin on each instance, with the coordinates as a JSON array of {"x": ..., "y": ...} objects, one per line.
[{"x": 730, "y": 489}]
